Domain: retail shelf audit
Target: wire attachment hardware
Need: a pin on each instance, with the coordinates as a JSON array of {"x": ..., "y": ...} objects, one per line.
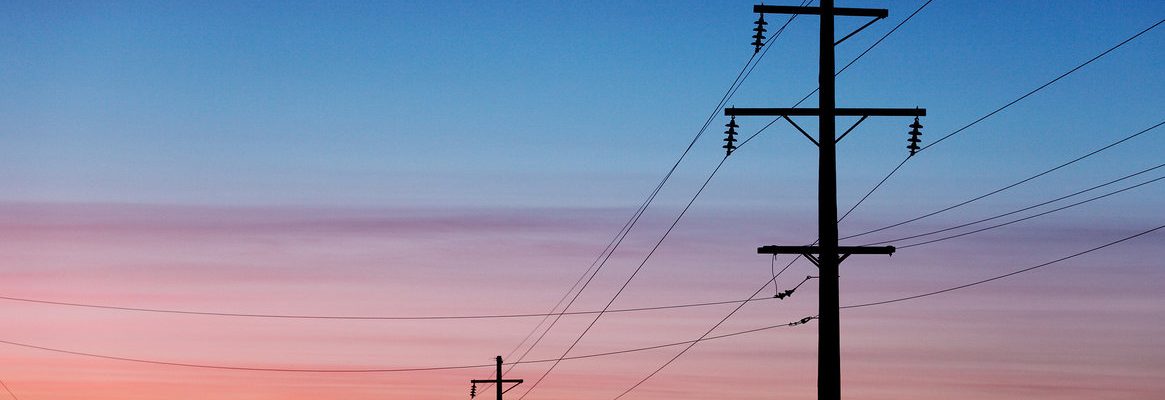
[
  {"x": 914, "y": 134},
  {"x": 760, "y": 33},
  {"x": 731, "y": 139}
]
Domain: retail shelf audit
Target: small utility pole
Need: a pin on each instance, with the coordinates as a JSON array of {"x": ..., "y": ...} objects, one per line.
[
  {"x": 828, "y": 255},
  {"x": 497, "y": 382}
]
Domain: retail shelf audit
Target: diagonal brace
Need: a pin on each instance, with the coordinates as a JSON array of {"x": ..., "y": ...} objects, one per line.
[
  {"x": 811, "y": 139},
  {"x": 856, "y": 31},
  {"x": 847, "y": 131}
]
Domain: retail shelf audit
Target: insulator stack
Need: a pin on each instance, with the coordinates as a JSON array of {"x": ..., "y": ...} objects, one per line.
[
  {"x": 914, "y": 134},
  {"x": 760, "y": 34},
  {"x": 731, "y": 139},
  {"x": 473, "y": 391}
]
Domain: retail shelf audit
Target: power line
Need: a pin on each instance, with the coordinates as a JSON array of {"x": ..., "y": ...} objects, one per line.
[
  {"x": 997, "y": 110},
  {"x": 641, "y": 265},
  {"x": 709, "y": 331},
  {"x": 8, "y": 390},
  {"x": 900, "y": 299},
  {"x": 843, "y": 216},
  {"x": 370, "y": 317},
  {"x": 385, "y": 370},
  {"x": 1079, "y": 192},
  {"x": 998, "y": 277},
  {"x": 732, "y": 88},
  {"x": 993, "y": 192},
  {"x": 319, "y": 370},
  {"x": 629, "y": 279},
  {"x": 1030, "y": 216}
]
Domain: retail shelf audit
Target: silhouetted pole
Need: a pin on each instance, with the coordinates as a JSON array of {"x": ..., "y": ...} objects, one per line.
[
  {"x": 828, "y": 255},
  {"x": 497, "y": 382}
]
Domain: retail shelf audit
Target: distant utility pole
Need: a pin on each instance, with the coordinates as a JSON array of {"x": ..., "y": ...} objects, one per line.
[
  {"x": 828, "y": 255},
  {"x": 497, "y": 382}
]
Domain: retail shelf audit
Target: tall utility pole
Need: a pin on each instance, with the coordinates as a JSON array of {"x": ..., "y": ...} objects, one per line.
[
  {"x": 498, "y": 381},
  {"x": 828, "y": 255}
]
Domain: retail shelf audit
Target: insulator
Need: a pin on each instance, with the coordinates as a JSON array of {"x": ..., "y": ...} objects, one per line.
[
  {"x": 731, "y": 139},
  {"x": 473, "y": 391},
  {"x": 914, "y": 134},
  {"x": 760, "y": 34}
]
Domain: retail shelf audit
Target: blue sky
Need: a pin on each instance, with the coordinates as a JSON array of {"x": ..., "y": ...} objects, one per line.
[{"x": 511, "y": 102}]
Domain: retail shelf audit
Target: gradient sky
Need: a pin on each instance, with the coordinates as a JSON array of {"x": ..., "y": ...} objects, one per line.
[{"x": 450, "y": 158}]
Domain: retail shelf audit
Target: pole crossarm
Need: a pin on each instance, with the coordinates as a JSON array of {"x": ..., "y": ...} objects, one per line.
[
  {"x": 812, "y": 253},
  {"x": 839, "y": 11},
  {"x": 811, "y": 139},
  {"x": 812, "y": 250},
  {"x": 841, "y": 112},
  {"x": 495, "y": 381}
]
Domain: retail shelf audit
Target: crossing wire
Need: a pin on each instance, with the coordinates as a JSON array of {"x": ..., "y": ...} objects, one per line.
[
  {"x": 627, "y": 281},
  {"x": 997, "y": 110},
  {"x": 526, "y": 315},
  {"x": 650, "y": 253},
  {"x": 373, "y": 317},
  {"x": 704, "y": 335},
  {"x": 907, "y": 298},
  {"x": 745, "y": 72},
  {"x": 847, "y": 213},
  {"x": 593, "y": 355},
  {"x": 6, "y": 389},
  {"x": 1030, "y": 216},
  {"x": 1032, "y": 207},
  {"x": 998, "y": 277},
  {"x": 996, "y": 191},
  {"x": 741, "y": 305},
  {"x": 384, "y": 370}
]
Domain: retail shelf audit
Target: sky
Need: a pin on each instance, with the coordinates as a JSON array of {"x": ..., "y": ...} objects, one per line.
[{"x": 401, "y": 159}]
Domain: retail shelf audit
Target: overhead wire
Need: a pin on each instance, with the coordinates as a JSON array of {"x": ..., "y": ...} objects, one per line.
[
  {"x": 702, "y": 336},
  {"x": 525, "y": 315},
  {"x": 384, "y": 370},
  {"x": 1009, "y": 186},
  {"x": 997, "y": 110},
  {"x": 896, "y": 300},
  {"x": 373, "y": 317},
  {"x": 998, "y": 277},
  {"x": 627, "y": 281},
  {"x": 730, "y": 314},
  {"x": 744, "y": 73},
  {"x": 689, "y": 342},
  {"x": 1064, "y": 197},
  {"x": 9, "y": 390},
  {"x": 867, "y": 50},
  {"x": 1030, "y": 216}
]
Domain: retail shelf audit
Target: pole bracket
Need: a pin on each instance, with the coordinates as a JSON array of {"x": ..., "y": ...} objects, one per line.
[{"x": 812, "y": 253}]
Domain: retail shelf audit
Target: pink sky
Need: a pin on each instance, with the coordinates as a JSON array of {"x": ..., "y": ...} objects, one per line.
[{"x": 1088, "y": 328}]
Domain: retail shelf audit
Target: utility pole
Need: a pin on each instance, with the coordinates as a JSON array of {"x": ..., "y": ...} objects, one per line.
[
  {"x": 497, "y": 382},
  {"x": 829, "y": 254}
]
